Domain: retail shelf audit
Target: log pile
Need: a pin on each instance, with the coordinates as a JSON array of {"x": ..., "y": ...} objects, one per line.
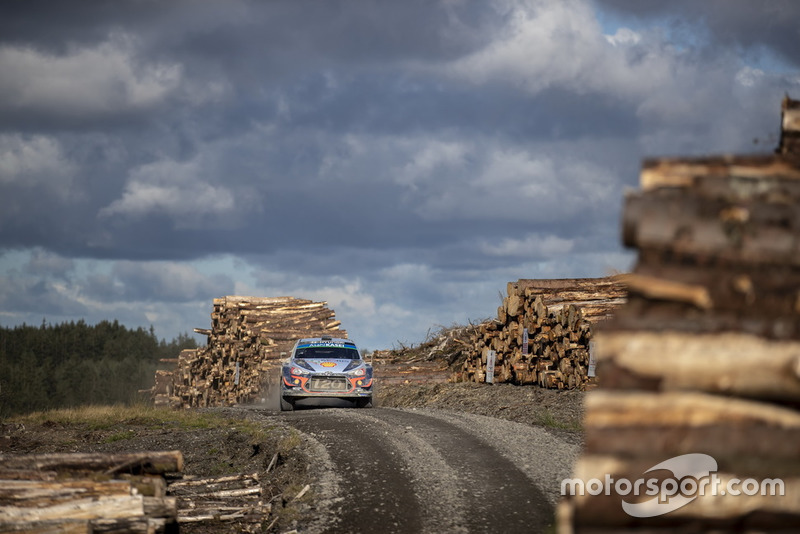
[
  {"x": 790, "y": 127},
  {"x": 705, "y": 356},
  {"x": 230, "y": 498},
  {"x": 556, "y": 318},
  {"x": 247, "y": 338},
  {"x": 88, "y": 492},
  {"x": 121, "y": 492}
]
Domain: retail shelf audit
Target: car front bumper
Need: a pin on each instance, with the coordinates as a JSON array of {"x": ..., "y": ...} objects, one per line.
[
  {"x": 287, "y": 392},
  {"x": 335, "y": 386}
]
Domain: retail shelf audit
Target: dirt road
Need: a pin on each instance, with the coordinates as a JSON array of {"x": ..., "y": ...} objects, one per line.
[{"x": 393, "y": 470}]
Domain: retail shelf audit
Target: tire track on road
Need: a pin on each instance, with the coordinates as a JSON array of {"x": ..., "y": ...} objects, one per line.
[
  {"x": 377, "y": 492},
  {"x": 407, "y": 471}
]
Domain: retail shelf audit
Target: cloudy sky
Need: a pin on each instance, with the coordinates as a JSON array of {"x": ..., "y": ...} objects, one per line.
[{"x": 401, "y": 160}]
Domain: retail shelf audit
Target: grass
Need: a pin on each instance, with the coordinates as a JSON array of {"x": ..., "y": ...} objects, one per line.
[
  {"x": 547, "y": 419},
  {"x": 111, "y": 417},
  {"x": 289, "y": 442},
  {"x": 119, "y": 436},
  {"x": 107, "y": 417}
]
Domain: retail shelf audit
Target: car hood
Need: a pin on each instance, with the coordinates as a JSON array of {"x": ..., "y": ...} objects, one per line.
[{"x": 330, "y": 366}]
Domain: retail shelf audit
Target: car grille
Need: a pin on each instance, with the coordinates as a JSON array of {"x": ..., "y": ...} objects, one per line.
[{"x": 328, "y": 384}]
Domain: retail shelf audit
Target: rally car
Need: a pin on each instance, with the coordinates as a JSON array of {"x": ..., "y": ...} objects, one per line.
[{"x": 325, "y": 367}]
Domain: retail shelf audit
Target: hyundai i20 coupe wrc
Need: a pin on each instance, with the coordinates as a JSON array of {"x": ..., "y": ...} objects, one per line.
[{"x": 325, "y": 367}]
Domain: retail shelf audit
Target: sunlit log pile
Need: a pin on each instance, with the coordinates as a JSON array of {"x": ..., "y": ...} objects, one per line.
[
  {"x": 705, "y": 356},
  {"x": 558, "y": 316},
  {"x": 246, "y": 341},
  {"x": 139, "y": 492},
  {"x": 790, "y": 127},
  {"x": 88, "y": 492}
]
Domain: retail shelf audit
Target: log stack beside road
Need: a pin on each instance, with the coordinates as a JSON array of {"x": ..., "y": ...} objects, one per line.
[
  {"x": 88, "y": 492},
  {"x": 246, "y": 341},
  {"x": 136, "y": 492},
  {"x": 790, "y": 127},
  {"x": 705, "y": 356},
  {"x": 556, "y": 318}
]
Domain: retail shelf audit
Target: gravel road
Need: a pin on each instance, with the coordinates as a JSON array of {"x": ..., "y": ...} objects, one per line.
[{"x": 421, "y": 470}]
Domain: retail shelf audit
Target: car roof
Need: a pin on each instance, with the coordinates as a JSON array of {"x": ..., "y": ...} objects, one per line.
[{"x": 328, "y": 339}]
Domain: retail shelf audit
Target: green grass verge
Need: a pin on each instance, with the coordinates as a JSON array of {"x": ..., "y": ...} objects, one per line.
[
  {"x": 547, "y": 419},
  {"x": 111, "y": 417}
]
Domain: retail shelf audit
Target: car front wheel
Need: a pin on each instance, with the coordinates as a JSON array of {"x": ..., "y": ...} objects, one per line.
[{"x": 286, "y": 405}]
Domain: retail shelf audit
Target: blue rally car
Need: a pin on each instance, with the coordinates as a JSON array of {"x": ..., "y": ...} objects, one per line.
[{"x": 326, "y": 367}]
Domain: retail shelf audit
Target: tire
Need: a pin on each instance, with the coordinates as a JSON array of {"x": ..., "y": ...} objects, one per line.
[
  {"x": 286, "y": 405},
  {"x": 365, "y": 402}
]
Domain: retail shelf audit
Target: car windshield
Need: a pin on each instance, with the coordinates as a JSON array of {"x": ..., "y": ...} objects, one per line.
[{"x": 328, "y": 353}]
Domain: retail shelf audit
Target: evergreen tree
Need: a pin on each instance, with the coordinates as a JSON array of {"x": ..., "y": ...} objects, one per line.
[{"x": 72, "y": 364}]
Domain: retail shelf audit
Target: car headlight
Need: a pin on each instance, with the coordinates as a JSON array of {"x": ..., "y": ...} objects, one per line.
[
  {"x": 299, "y": 370},
  {"x": 361, "y": 377},
  {"x": 353, "y": 365},
  {"x": 303, "y": 364}
]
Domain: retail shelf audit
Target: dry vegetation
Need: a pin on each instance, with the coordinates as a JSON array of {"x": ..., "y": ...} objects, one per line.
[{"x": 449, "y": 345}]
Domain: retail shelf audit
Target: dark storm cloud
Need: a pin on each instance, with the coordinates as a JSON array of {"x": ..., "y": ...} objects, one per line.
[
  {"x": 185, "y": 45},
  {"x": 401, "y": 160},
  {"x": 234, "y": 33}
]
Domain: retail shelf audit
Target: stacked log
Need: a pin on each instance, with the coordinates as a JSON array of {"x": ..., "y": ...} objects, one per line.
[
  {"x": 790, "y": 127},
  {"x": 596, "y": 298},
  {"x": 246, "y": 341},
  {"x": 88, "y": 492},
  {"x": 705, "y": 356},
  {"x": 121, "y": 492},
  {"x": 542, "y": 332},
  {"x": 226, "y": 498}
]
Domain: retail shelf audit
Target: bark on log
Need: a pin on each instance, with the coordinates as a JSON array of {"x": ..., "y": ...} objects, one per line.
[
  {"x": 718, "y": 173},
  {"x": 35, "y": 493},
  {"x": 790, "y": 128},
  {"x": 154, "y": 462},
  {"x": 109, "y": 507},
  {"x": 686, "y": 224},
  {"x": 137, "y": 525},
  {"x": 661, "y": 289},
  {"x": 203, "y": 486},
  {"x": 673, "y": 423},
  {"x": 730, "y": 364},
  {"x": 58, "y": 526}
]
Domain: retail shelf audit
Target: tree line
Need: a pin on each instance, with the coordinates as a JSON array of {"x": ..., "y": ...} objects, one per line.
[{"x": 73, "y": 364}]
